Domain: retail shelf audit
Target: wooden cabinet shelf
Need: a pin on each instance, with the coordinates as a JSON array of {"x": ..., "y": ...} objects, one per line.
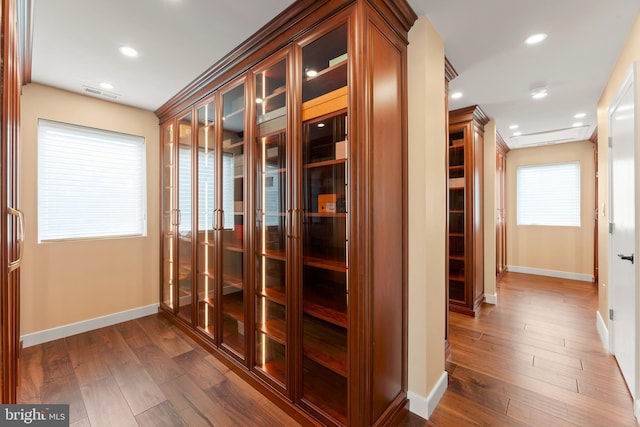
[
  {"x": 326, "y": 345},
  {"x": 325, "y": 264},
  {"x": 325, "y": 163},
  {"x": 234, "y": 306},
  {"x": 274, "y": 329}
]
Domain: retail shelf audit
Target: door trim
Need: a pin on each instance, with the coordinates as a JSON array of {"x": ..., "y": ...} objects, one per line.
[{"x": 629, "y": 83}]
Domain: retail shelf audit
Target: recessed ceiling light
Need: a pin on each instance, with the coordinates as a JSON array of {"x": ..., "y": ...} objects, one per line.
[
  {"x": 128, "y": 51},
  {"x": 105, "y": 85},
  {"x": 580, "y": 115},
  {"x": 577, "y": 124},
  {"x": 259, "y": 101},
  {"x": 311, "y": 72},
  {"x": 535, "y": 38},
  {"x": 512, "y": 127},
  {"x": 456, "y": 95},
  {"x": 517, "y": 133},
  {"x": 538, "y": 92},
  {"x": 320, "y": 125}
]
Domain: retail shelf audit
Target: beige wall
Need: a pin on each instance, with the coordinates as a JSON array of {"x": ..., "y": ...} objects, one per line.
[
  {"x": 559, "y": 249},
  {"x": 67, "y": 282},
  {"x": 427, "y": 207},
  {"x": 629, "y": 54},
  {"x": 490, "y": 210}
]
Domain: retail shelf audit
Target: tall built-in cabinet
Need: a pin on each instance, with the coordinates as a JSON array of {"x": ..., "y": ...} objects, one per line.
[
  {"x": 284, "y": 205},
  {"x": 465, "y": 213},
  {"x": 13, "y": 31},
  {"x": 501, "y": 206}
]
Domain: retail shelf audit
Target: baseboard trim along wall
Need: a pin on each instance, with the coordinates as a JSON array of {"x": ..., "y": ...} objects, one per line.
[
  {"x": 87, "y": 325},
  {"x": 601, "y": 325},
  {"x": 491, "y": 298},
  {"x": 424, "y": 406},
  {"x": 551, "y": 273},
  {"x": 636, "y": 411}
]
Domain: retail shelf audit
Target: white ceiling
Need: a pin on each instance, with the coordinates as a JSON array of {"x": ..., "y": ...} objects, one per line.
[{"x": 75, "y": 44}]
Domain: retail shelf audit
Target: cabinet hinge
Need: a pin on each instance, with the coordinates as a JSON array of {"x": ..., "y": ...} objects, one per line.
[
  {"x": 610, "y": 141},
  {"x": 611, "y": 314},
  {"x": 611, "y": 228}
]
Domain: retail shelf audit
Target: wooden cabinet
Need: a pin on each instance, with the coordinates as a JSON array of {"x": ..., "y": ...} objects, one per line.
[
  {"x": 12, "y": 29},
  {"x": 292, "y": 158},
  {"x": 501, "y": 225},
  {"x": 465, "y": 186}
]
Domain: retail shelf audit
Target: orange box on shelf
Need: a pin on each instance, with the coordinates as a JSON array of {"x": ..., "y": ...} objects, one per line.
[{"x": 326, "y": 203}]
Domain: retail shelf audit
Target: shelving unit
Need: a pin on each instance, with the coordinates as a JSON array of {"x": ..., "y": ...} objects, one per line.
[
  {"x": 465, "y": 274},
  {"x": 276, "y": 141}
]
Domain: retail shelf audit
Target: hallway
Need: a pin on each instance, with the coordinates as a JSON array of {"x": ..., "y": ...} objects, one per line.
[{"x": 533, "y": 359}]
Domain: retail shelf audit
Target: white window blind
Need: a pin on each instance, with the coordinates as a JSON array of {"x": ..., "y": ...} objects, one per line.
[
  {"x": 91, "y": 183},
  {"x": 549, "y": 194}
]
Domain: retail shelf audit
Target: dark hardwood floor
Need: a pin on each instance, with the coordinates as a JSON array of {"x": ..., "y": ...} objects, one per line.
[{"x": 533, "y": 359}]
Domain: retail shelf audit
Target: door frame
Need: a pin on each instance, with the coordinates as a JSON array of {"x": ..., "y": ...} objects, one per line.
[{"x": 629, "y": 84}]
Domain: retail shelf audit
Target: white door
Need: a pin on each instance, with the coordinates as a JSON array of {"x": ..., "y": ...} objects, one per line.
[{"x": 622, "y": 244}]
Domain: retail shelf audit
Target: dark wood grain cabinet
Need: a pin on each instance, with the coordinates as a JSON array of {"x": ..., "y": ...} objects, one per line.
[
  {"x": 284, "y": 203},
  {"x": 13, "y": 31},
  {"x": 465, "y": 186}
]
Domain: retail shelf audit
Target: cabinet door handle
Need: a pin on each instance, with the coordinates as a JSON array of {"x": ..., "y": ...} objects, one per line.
[
  {"x": 296, "y": 223},
  {"x": 17, "y": 263}
]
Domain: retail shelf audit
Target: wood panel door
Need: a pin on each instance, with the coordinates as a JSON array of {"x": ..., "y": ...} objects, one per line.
[{"x": 12, "y": 224}]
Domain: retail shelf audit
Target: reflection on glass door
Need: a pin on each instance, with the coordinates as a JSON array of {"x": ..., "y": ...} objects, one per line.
[
  {"x": 185, "y": 238},
  {"x": 325, "y": 225},
  {"x": 168, "y": 217},
  {"x": 271, "y": 218},
  {"x": 206, "y": 219},
  {"x": 232, "y": 219}
]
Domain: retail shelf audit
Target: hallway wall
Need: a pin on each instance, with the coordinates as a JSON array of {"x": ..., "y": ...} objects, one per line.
[
  {"x": 630, "y": 53},
  {"x": 554, "y": 249},
  {"x": 72, "y": 281}
]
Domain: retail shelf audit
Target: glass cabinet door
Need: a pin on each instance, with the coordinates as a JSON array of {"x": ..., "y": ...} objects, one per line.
[
  {"x": 232, "y": 219},
  {"x": 169, "y": 217},
  {"x": 185, "y": 227},
  {"x": 271, "y": 218},
  {"x": 206, "y": 219},
  {"x": 325, "y": 225}
]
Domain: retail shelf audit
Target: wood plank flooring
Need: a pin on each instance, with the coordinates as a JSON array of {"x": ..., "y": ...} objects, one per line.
[{"x": 535, "y": 359}]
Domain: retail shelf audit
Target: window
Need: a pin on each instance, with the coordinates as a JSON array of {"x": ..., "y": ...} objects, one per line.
[
  {"x": 91, "y": 183},
  {"x": 549, "y": 194}
]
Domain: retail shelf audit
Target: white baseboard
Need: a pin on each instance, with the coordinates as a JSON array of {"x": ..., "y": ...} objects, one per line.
[
  {"x": 551, "y": 273},
  {"x": 601, "y": 325},
  {"x": 491, "y": 298},
  {"x": 424, "y": 406},
  {"x": 636, "y": 410},
  {"x": 86, "y": 325}
]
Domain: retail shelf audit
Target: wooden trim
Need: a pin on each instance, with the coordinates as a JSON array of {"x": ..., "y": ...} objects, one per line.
[
  {"x": 594, "y": 136},
  {"x": 501, "y": 145},
  {"x": 450, "y": 73},
  {"x": 471, "y": 113}
]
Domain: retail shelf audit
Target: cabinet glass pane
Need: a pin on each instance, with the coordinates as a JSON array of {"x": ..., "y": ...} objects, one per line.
[
  {"x": 270, "y": 201},
  {"x": 325, "y": 263},
  {"x": 185, "y": 235},
  {"x": 168, "y": 214},
  {"x": 233, "y": 171},
  {"x": 206, "y": 218},
  {"x": 324, "y": 64}
]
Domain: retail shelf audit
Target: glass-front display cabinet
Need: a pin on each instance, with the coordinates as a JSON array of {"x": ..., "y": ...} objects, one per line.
[{"x": 284, "y": 211}]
